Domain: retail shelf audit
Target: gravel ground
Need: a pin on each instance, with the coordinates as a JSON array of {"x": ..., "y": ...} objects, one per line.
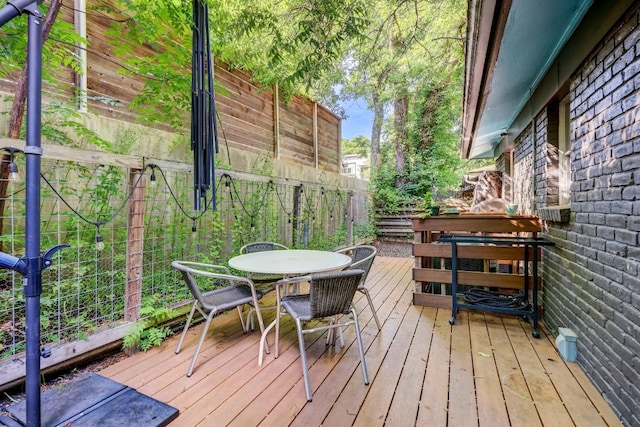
[{"x": 394, "y": 248}]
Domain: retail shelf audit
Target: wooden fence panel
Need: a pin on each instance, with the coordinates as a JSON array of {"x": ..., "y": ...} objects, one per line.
[
  {"x": 328, "y": 140},
  {"x": 246, "y": 112},
  {"x": 296, "y": 132},
  {"x": 109, "y": 91}
]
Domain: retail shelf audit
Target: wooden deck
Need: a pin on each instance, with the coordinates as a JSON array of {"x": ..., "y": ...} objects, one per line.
[{"x": 485, "y": 370}]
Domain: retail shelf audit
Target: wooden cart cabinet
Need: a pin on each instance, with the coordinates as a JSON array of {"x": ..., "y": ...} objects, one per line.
[{"x": 427, "y": 250}]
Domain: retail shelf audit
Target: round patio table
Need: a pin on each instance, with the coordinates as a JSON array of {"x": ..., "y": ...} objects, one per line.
[{"x": 290, "y": 262}]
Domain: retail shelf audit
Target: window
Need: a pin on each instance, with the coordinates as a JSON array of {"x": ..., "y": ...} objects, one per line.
[
  {"x": 349, "y": 168},
  {"x": 558, "y": 167},
  {"x": 564, "y": 152}
]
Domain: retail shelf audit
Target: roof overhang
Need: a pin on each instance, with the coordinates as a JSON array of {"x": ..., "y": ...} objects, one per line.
[{"x": 511, "y": 45}]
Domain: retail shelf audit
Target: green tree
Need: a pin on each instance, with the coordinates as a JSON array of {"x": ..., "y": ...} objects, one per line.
[
  {"x": 412, "y": 49},
  {"x": 359, "y": 145},
  {"x": 291, "y": 43}
]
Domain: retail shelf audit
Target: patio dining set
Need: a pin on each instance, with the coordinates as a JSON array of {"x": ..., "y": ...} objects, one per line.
[{"x": 309, "y": 285}]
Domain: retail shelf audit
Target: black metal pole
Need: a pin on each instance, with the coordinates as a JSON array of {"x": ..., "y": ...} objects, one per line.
[
  {"x": 33, "y": 152},
  {"x": 32, "y": 264}
]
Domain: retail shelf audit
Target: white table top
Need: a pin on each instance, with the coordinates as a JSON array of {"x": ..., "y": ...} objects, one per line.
[{"x": 290, "y": 262}]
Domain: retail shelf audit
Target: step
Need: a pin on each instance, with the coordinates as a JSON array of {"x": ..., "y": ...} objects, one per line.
[
  {"x": 395, "y": 231},
  {"x": 393, "y": 223}
]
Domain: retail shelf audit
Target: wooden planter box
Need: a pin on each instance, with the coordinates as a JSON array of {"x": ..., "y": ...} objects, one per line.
[{"x": 487, "y": 266}]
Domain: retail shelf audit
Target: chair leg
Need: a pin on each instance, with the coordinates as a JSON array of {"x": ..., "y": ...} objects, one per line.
[
  {"x": 303, "y": 359},
  {"x": 186, "y": 326},
  {"x": 330, "y": 332},
  {"x": 245, "y": 326},
  {"x": 250, "y": 322},
  {"x": 363, "y": 362},
  {"x": 264, "y": 344},
  {"x": 365, "y": 291},
  {"x": 200, "y": 341},
  {"x": 340, "y": 338}
]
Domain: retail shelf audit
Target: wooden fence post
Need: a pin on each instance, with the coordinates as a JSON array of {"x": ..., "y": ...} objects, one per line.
[
  {"x": 276, "y": 120},
  {"x": 297, "y": 210},
  {"x": 350, "y": 217},
  {"x": 135, "y": 246}
]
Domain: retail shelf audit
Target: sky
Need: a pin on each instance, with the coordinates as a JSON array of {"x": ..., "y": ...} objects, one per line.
[{"x": 359, "y": 120}]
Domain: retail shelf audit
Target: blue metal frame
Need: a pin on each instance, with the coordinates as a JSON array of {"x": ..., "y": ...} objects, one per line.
[
  {"x": 525, "y": 242},
  {"x": 32, "y": 264}
]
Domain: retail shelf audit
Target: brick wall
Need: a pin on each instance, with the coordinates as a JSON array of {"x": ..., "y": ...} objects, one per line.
[{"x": 591, "y": 281}]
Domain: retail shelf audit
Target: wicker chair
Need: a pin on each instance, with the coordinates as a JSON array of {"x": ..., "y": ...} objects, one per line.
[
  {"x": 330, "y": 295},
  {"x": 261, "y": 247},
  {"x": 265, "y": 282},
  {"x": 363, "y": 256},
  {"x": 225, "y": 292}
]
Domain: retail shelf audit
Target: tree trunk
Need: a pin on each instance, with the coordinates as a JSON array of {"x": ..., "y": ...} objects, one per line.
[
  {"x": 400, "y": 106},
  {"x": 400, "y": 126},
  {"x": 376, "y": 131},
  {"x": 16, "y": 116},
  {"x": 378, "y": 119}
]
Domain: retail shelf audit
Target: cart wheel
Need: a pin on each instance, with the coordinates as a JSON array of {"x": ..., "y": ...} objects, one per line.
[
  {"x": 452, "y": 321},
  {"x": 535, "y": 333}
]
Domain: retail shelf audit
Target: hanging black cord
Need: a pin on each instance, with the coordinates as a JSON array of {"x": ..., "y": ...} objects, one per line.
[
  {"x": 224, "y": 137},
  {"x": 309, "y": 205},
  {"x": 331, "y": 206},
  {"x": 284, "y": 209},
  {"x": 480, "y": 296},
  {"x": 259, "y": 205},
  {"x": 173, "y": 196},
  {"x": 79, "y": 215},
  {"x": 126, "y": 200}
]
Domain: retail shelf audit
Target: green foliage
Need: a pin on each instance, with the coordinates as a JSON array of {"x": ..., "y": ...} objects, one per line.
[
  {"x": 291, "y": 43},
  {"x": 359, "y": 145},
  {"x": 364, "y": 232},
  {"x": 57, "y": 51},
  {"x": 148, "y": 332},
  {"x": 312, "y": 41}
]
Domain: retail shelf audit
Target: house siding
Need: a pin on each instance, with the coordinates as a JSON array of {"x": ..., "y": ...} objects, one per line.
[{"x": 591, "y": 281}]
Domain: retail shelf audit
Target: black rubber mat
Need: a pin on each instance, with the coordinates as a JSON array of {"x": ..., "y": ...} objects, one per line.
[{"x": 93, "y": 400}]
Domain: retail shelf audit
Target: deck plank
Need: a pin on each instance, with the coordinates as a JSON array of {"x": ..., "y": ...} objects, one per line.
[
  {"x": 603, "y": 408},
  {"x": 435, "y": 390},
  {"x": 492, "y": 410},
  {"x": 348, "y": 404},
  {"x": 374, "y": 410},
  {"x": 485, "y": 370},
  {"x": 214, "y": 390},
  {"x": 336, "y": 384},
  {"x": 266, "y": 387},
  {"x": 406, "y": 401},
  {"x": 577, "y": 403},
  {"x": 520, "y": 405},
  {"x": 462, "y": 397},
  {"x": 549, "y": 405}
]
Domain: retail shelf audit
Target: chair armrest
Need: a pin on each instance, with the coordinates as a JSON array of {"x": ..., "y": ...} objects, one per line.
[{"x": 201, "y": 269}]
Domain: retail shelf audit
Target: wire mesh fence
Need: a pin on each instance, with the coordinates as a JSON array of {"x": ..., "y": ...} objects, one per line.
[{"x": 125, "y": 227}]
